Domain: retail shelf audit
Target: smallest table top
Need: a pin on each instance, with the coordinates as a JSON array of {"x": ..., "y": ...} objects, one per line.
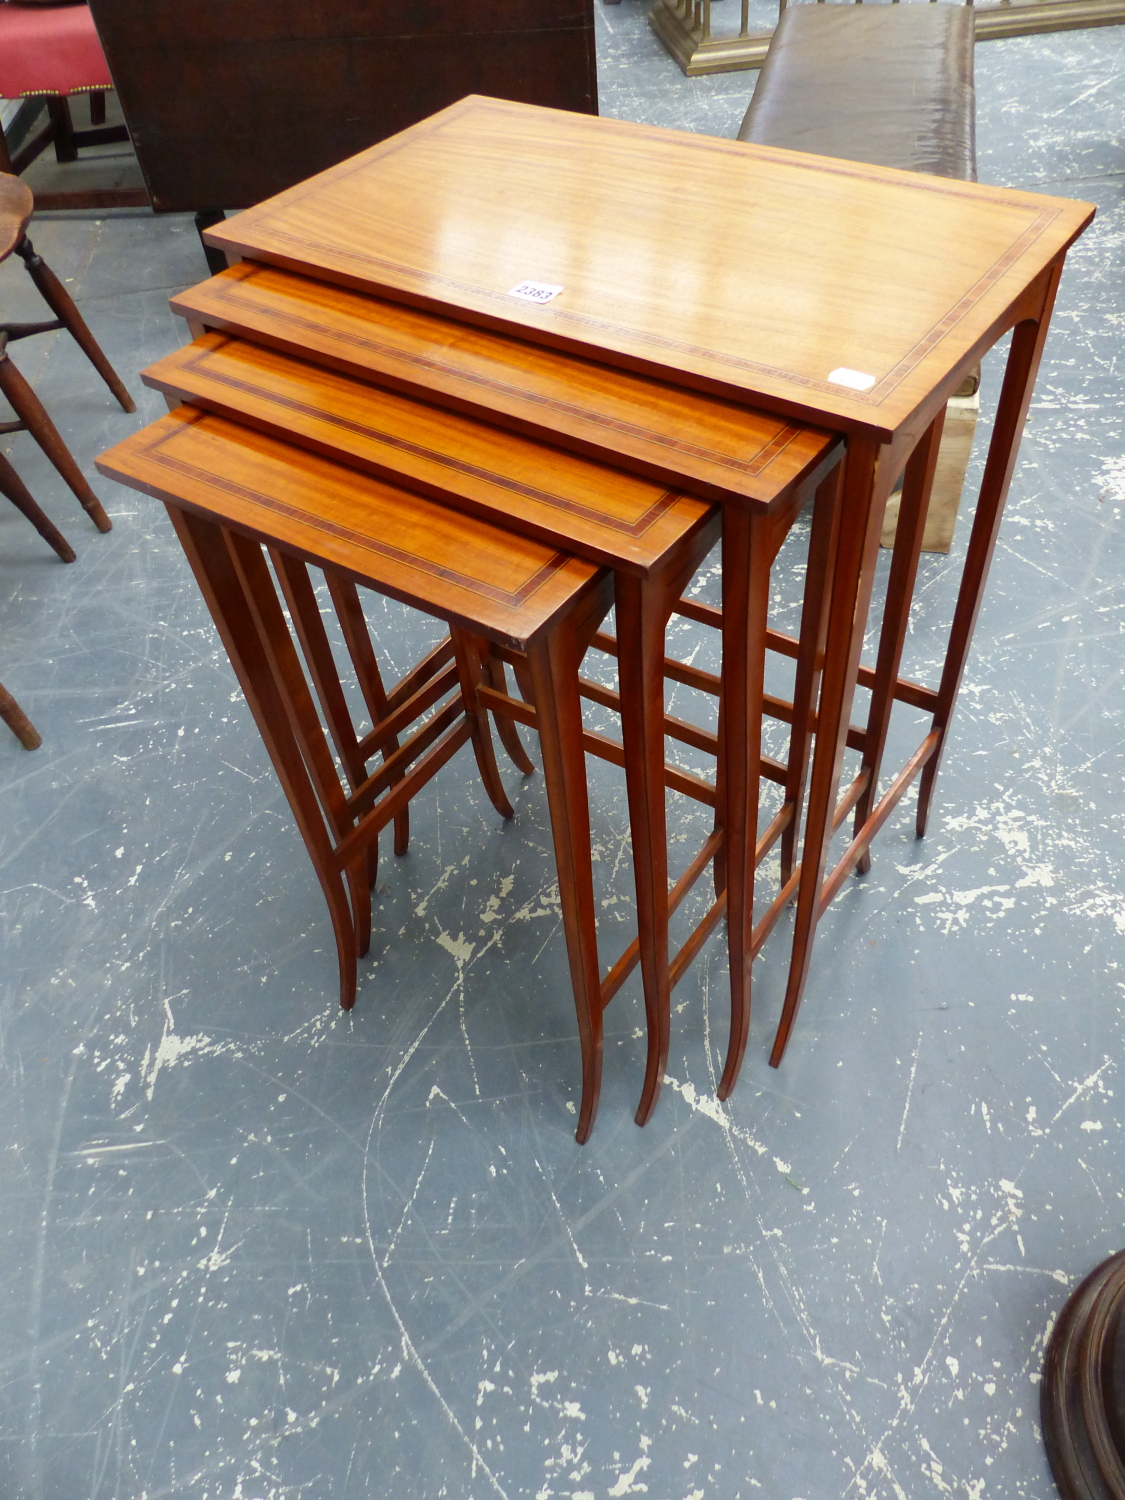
[
  {"x": 832, "y": 290},
  {"x": 429, "y": 556}
]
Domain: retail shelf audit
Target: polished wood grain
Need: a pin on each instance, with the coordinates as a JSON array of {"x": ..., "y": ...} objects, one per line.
[
  {"x": 603, "y": 514},
  {"x": 718, "y": 449},
  {"x": 744, "y": 270},
  {"x": 423, "y": 553}
]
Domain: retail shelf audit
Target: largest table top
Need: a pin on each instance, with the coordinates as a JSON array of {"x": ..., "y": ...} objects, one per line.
[{"x": 833, "y": 290}]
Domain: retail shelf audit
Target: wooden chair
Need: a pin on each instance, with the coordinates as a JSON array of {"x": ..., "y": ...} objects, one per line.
[
  {"x": 242, "y": 502},
  {"x": 53, "y": 51},
  {"x": 16, "y": 207},
  {"x": 17, "y": 492},
  {"x": 18, "y": 722}
]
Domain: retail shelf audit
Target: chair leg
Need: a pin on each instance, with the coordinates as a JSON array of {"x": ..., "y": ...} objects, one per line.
[
  {"x": 13, "y": 486},
  {"x": 18, "y": 722},
  {"x": 33, "y": 415},
  {"x": 59, "y": 300},
  {"x": 97, "y": 106},
  {"x": 62, "y": 129}
]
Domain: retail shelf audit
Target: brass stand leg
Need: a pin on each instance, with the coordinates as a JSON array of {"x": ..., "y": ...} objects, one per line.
[
  {"x": 1024, "y": 356},
  {"x": 17, "y": 492},
  {"x": 58, "y": 299},
  {"x": 31, "y": 412}
]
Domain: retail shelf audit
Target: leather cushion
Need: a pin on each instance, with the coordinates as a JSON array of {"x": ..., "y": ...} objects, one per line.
[
  {"x": 50, "y": 50},
  {"x": 886, "y": 84}
]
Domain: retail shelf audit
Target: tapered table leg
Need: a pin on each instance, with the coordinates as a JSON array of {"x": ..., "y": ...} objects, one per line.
[
  {"x": 917, "y": 483},
  {"x": 747, "y": 556},
  {"x": 554, "y": 675},
  {"x": 206, "y": 546},
  {"x": 823, "y": 541},
  {"x": 353, "y": 623},
  {"x": 866, "y": 484},
  {"x": 1028, "y": 339},
  {"x": 641, "y": 620}
]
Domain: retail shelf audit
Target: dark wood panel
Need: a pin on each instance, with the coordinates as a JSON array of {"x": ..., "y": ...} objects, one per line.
[{"x": 230, "y": 101}]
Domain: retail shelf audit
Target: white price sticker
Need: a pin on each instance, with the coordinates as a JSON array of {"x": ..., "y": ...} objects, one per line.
[
  {"x": 855, "y": 380},
  {"x": 535, "y": 291}
]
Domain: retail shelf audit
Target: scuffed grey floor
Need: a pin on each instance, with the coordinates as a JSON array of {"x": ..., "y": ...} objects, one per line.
[{"x": 259, "y": 1250}]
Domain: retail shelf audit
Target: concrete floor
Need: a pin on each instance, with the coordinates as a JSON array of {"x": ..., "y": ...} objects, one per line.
[{"x": 255, "y": 1248}]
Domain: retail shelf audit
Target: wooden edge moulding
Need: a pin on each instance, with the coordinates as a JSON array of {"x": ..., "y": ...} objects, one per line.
[{"x": 684, "y": 26}]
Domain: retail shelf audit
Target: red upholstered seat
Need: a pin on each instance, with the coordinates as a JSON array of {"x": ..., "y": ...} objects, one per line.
[{"x": 50, "y": 50}]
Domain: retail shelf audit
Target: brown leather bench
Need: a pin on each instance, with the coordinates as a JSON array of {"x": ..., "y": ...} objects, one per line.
[
  {"x": 887, "y": 84},
  {"x": 891, "y": 85}
]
